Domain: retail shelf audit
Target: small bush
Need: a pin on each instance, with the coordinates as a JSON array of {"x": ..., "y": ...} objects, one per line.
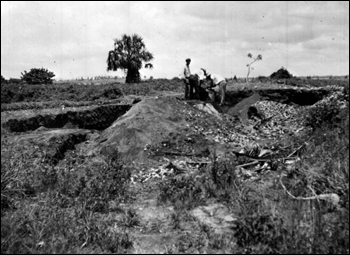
[
  {"x": 282, "y": 73},
  {"x": 38, "y": 76}
]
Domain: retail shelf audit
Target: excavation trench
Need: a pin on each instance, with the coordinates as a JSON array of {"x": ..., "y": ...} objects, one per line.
[
  {"x": 101, "y": 117},
  {"x": 287, "y": 96},
  {"x": 127, "y": 130},
  {"x": 153, "y": 120},
  {"x": 240, "y": 103},
  {"x": 98, "y": 118}
]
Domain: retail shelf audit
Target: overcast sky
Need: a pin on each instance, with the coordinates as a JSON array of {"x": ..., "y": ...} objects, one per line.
[{"x": 72, "y": 39}]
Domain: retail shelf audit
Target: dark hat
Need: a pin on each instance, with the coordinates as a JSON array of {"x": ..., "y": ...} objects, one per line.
[{"x": 188, "y": 60}]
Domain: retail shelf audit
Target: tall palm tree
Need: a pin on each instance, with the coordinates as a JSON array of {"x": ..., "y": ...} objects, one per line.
[{"x": 128, "y": 54}]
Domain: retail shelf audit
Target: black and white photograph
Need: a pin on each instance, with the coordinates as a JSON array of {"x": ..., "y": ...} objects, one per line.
[{"x": 175, "y": 127}]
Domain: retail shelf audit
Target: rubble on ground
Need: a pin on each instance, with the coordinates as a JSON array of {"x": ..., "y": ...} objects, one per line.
[
  {"x": 336, "y": 97},
  {"x": 170, "y": 168},
  {"x": 249, "y": 142},
  {"x": 208, "y": 108}
]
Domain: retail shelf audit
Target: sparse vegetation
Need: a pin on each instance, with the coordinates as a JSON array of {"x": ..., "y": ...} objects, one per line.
[
  {"x": 76, "y": 204},
  {"x": 249, "y": 65},
  {"x": 17, "y": 97}
]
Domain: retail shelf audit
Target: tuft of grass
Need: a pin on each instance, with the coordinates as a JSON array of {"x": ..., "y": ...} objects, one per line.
[{"x": 130, "y": 219}]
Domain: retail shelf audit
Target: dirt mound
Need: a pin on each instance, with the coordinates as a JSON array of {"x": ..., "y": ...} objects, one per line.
[{"x": 147, "y": 122}]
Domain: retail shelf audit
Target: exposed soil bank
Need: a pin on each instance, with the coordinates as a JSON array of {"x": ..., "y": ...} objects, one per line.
[
  {"x": 52, "y": 143},
  {"x": 287, "y": 96},
  {"x": 98, "y": 117},
  {"x": 101, "y": 117}
]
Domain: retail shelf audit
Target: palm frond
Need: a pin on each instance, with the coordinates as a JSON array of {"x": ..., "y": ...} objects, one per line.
[{"x": 111, "y": 61}]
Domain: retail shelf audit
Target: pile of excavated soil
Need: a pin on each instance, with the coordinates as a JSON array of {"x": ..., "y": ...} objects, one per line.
[
  {"x": 159, "y": 126},
  {"x": 146, "y": 123},
  {"x": 166, "y": 126}
]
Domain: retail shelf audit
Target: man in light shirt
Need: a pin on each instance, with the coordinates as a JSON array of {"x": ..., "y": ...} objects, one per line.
[
  {"x": 215, "y": 84},
  {"x": 187, "y": 76},
  {"x": 191, "y": 82}
]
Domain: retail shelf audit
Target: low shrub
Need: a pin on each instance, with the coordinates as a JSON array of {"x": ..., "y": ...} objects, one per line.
[
  {"x": 38, "y": 76},
  {"x": 282, "y": 73}
]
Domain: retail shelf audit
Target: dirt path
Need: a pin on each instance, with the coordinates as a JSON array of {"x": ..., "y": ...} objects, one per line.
[
  {"x": 154, "y": 232},
  {"x": 161, "y": 228}
]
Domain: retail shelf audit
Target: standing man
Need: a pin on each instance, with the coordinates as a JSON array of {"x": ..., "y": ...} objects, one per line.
[
  {"x": 216, "y": 84},
  {"x": 187, "y": 74},
  {"x": 191, "y": 82}
]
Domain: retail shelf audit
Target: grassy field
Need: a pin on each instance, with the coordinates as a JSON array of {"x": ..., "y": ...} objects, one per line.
[
  {"x": 19, "y": 96},
  {"x": 51, "y": 209},
  {"x": 80, "y": 93}
]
